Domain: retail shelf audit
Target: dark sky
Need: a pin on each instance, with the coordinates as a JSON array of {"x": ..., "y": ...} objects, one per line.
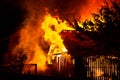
[{"x": 11, "y": 15}]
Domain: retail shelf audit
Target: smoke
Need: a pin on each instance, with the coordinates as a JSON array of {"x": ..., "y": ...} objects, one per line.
[
  {"x": 30, "y": 40},
  {"x": 65, "y": 8},
  {"x": 69, "y": 9}
]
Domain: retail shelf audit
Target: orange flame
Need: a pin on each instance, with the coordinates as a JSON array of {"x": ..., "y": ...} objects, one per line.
[
  {"x": 52, "y": 27},
  {"x": 30, "y": 44},
  {"x": 33, "y": 38}
]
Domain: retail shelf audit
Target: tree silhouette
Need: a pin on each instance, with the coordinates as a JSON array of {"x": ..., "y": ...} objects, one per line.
[{"x": 107, "y": 25}]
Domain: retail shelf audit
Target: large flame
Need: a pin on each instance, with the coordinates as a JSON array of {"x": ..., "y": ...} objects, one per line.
[
  {"x": 36, "y": 36},
  {"x": 29, "y": 44},
  {"x": 52, "y": 27}
]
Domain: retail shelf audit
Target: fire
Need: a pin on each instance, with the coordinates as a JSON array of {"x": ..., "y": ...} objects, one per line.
[
  {"x": 39, "y": 41},
  {"x": 30, "y": 44},
  {"x": 36, "y": 36},
  {"x": 52, "y": 27},
  {"x": 98, "y": 72},
  {"x": 58, "y": 55}
]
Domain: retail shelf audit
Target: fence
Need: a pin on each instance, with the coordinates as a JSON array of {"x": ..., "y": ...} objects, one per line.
[{"x": 102, "y": 67}]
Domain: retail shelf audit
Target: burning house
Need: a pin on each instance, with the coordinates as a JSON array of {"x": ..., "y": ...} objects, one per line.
[{"x": 49, "y": 45}]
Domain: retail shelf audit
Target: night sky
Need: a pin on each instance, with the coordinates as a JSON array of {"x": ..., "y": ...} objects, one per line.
[{"x": 11, "y": 15}]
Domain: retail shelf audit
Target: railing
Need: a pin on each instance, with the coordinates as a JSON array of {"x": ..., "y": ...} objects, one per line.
[{"x": 102, "y": 67}]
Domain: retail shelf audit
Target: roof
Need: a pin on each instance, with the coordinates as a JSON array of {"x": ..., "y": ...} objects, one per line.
[{"x": 76, "y": 42}]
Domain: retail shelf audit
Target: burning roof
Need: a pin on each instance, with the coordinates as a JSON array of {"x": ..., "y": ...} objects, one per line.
[
  {"x": 76, "y": 42},
  {"x": 81, "y": 44}
]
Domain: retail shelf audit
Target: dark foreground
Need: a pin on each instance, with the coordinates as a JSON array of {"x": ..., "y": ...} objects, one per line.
[
  {"x": 30, "y": 77},
  {"x": 16, "y": 76}
]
